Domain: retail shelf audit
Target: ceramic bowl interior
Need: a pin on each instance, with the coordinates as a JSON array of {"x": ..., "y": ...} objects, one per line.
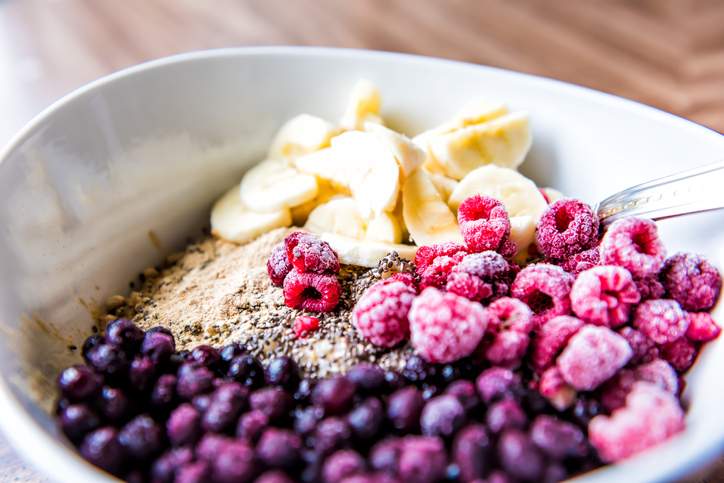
[{"x": 118, "y": 174}]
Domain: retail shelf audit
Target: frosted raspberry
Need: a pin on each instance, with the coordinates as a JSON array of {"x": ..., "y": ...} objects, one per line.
[
  {"x": 278, "y": 266},
  {"x": 651, "y": 416},
  {"x": 315, "y": 292},
  {"x": 481, "y": 276},
  {"x": 593, "y": 355},
  {"x": 644, "y": 349},
  {"x": 567, "y": 227},
  {"x": 509, "y": 313},
  {"x": 484, "y": 223},
  {"x": 507, "y": 348},
  {"x": 508, "y": 249},
  {"x": 435, "y": 262},
  {"x": 404, "y": 277},
  {"x": 634, "y": 244},
  {"x": 445, "y": 327},
  {"x": 305, "y": 325},
  {"x": 555, "y": 389},
  {"x": 615, "y": 390},
  {"x": 649, "y": 287},
  {"x": 680, "y": 353},
  {"x": 657, "y": 372},
  {"x": 604, "y": 295},
  {"x": 582, "y": 261},
  {"x": 545, "y": 289},
  {"x": 312, "y": 255},
  {"x": 661, "y": 320},
  {"x": 381, "y": 313},
  {"x": 292, "y": 240},
  {"x": 692, "y": 281},
  {"x": 661, "y": 373},
  {"x": 702, "y": 327},
  {"x": 552, "y": 337}
]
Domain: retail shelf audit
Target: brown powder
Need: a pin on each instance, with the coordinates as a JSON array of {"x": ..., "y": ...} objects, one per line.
[{"x": 217, "y": 292}]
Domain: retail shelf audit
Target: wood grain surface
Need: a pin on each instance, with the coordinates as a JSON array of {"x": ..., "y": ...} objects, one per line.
[{"x": 667, "y": 53}]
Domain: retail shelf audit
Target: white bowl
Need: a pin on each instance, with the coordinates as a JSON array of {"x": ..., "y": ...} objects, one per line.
[{"x": 146, "y": 150}]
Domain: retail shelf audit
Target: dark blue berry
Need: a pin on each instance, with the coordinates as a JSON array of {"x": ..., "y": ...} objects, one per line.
[
  {"x": 272, "y": 401},
  {"x": 519, "y": 457},
  {"x": 79, "y": 382},
  {"x": 113, "y": 403},
  {"x": 141, "y": 438},
  {"x": 89, "y": 344},
  {"x": 184, "y": 425},
  {"x": 306, "y": 419},
  {"x": 77, "y": 420},
  {"x": 201, "y": 402},
  {"x": 385, "y": 455},
  {"x": 206, "y": 356},
  {"x": 235, "y": 462},
  {"x": 471, "y": 452},
  {"x": 141, "y": 374},
  {"x": 231, "y": 352},
  {"x": 101, "y": 448},
  {"x": 334, "y": 395},
  {"x": 246, "y": 370},
  {"x": 164, "y": 469},
  {"x": 197, "y": 472},
  {"x": 227, "y": 402},
  {"x": 164, "y": 392},
  {"x": 369, "y": 378},
  {"x": 466, "y": 393},
  {"x": 404, "y": 408},
  {"x": 279, "y": 448},
  {"x": 331, "y": 434},
  {"x": 304, "y": 391},
  {"x": 251, "y": 425},
  {"x": 558, "y": 439},
  {"x": 342, "y": 464},
  {"x": 108, "y": 360},
  {"x": 193, "y": 380},
  {"x": 505, "y": 414},
  {"x": 394, "y": 380},
  {"x": 158, "y": 344},
  {"x": 366, "y": 419},
  {"x": 417, "y": 370},
  {"x": 442, "y": 416},
  {"x": 125, "y": 335},
  {"x": 282, "y": 371}
]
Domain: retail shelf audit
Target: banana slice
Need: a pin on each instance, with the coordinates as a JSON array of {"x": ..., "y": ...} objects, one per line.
[
  {"x": 301, "y": 135},
  {"x": 524, "y": 203},
  {"x": 363, "y": 106},
  {"x": 326, "y": 192},
  {"x": 474, "y": 112},
  {"x": 339, "y": 216},
  {"x": 272, "y": 185},
  {"x": 232, "y": 221},
  {"x": 409, "y": 155},
  {"x": 503, "y": 141},
  {"x": 384, "y": 228},
  {"x": 427, "y": 217},
  {"x": 365, "y": 253},
  {"x": 445, "y": 186}
]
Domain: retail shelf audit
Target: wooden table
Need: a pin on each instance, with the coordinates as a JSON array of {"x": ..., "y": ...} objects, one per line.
[{"x": 668, "y": 53}]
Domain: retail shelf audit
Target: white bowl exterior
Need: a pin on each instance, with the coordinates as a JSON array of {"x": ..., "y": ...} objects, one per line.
[{"x": 148, "y": 149}]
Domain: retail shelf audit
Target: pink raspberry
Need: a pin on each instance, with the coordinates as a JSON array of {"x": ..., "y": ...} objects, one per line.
[
  {"x": 567, "y": 227},
  {"x": 545, "y": 289},
  {"x": 435, "y": 262},
  {"x": 508, "y": 313},
  {"x": 649, "y": 287},
  {"x": 582, "y": 261},
  {"x": 661, "y": 373},
  {"x": 644, "y": 349},
  {"x": 680, "y": 353},
  {"x": 315, "y": 292},
  {"x": 657, "y": 372},
  {"x": 592, "y": 356},
  {"x": 692, "y": 281},
  {"x": 304, "y": 325},
  {"x": 651, "y": 416},
  {"x": 481, "y": 276},
  {"x": 381, "y": 313},
  {"x": 312, "y": 255},
  {"x": 615, "y": 390},
  {"x": 661, "y": 320},
  {"x": 484, "y": 223},
  {"x": 510, "y": 324},
  {"x": 278, "y": 266},
  {"x": 405, "y": 277},
  {"x": 507, "y": 348},
  {"x": 552, "y": 337},
  {"x": 555, "y": 389},
  {"x": 445, "y": 327},
  {"x": 702, "y": 327},
  {"x": 634, "y": 244},
  {"x": 604, "y": 295}
]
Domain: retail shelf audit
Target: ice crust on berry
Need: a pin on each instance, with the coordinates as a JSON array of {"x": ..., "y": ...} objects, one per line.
[
  {"x": 692, "y": 281},
  {"x": 604, "y": 295},
  {"x": 380, "y": 315},
  {"x": 545, "y": 288},
  {"x": 316, "y": 292},
  {"x": 484, "y": 223},
  {"x": 567, "y": 227},
  {"x": 552, "y": 338},
  {"x": 661, "y": 320},
  {"x": 634, "y": 244}
]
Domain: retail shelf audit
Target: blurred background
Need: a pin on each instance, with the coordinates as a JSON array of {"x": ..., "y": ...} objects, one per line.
[{"x": 667, "y": 53}]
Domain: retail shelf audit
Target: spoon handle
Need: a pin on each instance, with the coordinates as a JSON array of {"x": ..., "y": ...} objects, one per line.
[{"x": 692, "y": 191}]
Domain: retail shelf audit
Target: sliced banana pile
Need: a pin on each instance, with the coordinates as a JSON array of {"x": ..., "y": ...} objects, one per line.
[{"x": 369, "y": 190}]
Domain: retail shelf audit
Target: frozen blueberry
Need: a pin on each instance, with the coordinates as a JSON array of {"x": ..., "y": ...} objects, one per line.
[
  {"x": 158, "y": 344},
  {"x": 471, "y": 452},
  {"x": 366, "y": 419},
  {"x": 141, "y": 373},
  {"x": 164, "y": 391},
  {"x": 184, "y": 425},
  {"x": 272, "y": 401},
  {"x": 442, "y": 416},
  {"x": 164, "y": 469},
  {"x": 367, "y": 377},
  {"x": 193, "y": 380},
  {"x": 304, "y": 390},
  {"x": 89, "y": 344},
  {"x": 341, "y": 465},
  {"x": 231, "y": 352},
  {"x": 201, "y": 402},
  {"x": 210, "y": 445},
  {"x": 332, "y": 433},
  {"x": 125, "y": 335},
  {"x": 416, "y": 370},
  {"x": 306, "y": 419},
  {"x": 251, "y": 425},
  {"x": 77, "y": 420},
  {"x": 141, "y": 438},
  {"x": 197, "y": 472},
  {"x": 101, "y": 447},
  {"x": 404, "y": 408},
  {"x": 334, "y": 395},
  {"x": 558, "y": 439},
  {"x": 393, "y": 380},
  {"x": 282, "y": 371},
  {"x": 465, "y": 392},
  {"x": 246, "y": 370},
  {"x": 274, "y": 476},
  {"x": 108, "y": 360},
  {"x": 422, "y": 459},
  {"x": 519, "y": 457},
  {"x": 113, "y": 403},
  {"x": 495, "y": 383},
  {"x": 279, "y": 448},
  {"x": 79, "y": 382},
  {"x": 227, "y": 402},
  {"x": 505, "y": 414},
  {"x": 206, "y": 356},
  {"x": 385, "y": 455},
  {"x": 234, "y": 463}
]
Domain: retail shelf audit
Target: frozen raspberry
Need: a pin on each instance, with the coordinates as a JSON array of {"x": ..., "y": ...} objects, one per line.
[
  {"x": 680, "y": 353},
  {"x": 381, "y": 313},
  {"x": 404, "y": 277},
  {"x": 644, "y": 349},
  {"x": 508, "y": 249},
  {"x": 657, "y": 372},
  {"x": 552, "y": 337},
  {"x": 428, "y": 253},
  {"x": 304, "y": 325},
  {"x": 604, "y": 295},
  {"x": 593, "y": 355},
  {"x": 615, "y": 390},
  {"x": 651, "y": 416},
  {"x": 567, "y": 227},
  {"x": 661, "y": 320},
  {"x": 311, "y": 255},
  {"x": 649, "y": 287},
  {"x": 481, "y": 276},
  {"x": 509, "y": 313},
  {"x": 278, "y": 265},
  {"x": 510, "y": 324},
  {"x": 555, "y": 389},
  {"x": 437, "y": 273},
  {"x": 315, "y": 292},
  {"x": 702, "y": 327},
  {"x": 634, "y": 244},
  {"x": 507, "y": 348},
  {"x": 445, "y": 327},
  {"x": 582, "y": 261},
  {"x": 545, "y": 289},
  {"x": 661, "y": 373},
  {"x": 692, "y": 281},
  {"x": 484, "y": 223}
]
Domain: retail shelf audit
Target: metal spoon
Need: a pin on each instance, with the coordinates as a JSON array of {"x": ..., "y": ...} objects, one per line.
[{"x": 692, "y": 191}]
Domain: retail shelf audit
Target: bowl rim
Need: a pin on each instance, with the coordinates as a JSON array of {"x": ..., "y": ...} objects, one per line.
[{"x": 50, "y": 456}]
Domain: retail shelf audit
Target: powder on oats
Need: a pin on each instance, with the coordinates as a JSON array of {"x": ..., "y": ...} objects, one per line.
[{"x": 216, "y": 292}]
